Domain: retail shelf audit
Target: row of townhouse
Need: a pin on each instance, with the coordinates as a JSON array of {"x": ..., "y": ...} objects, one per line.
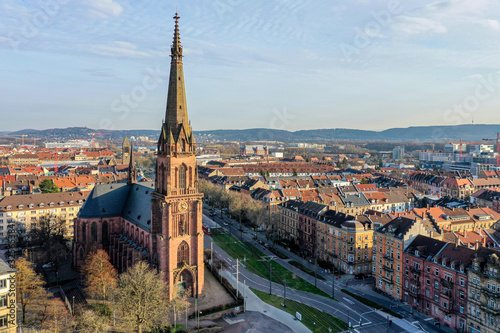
[
  {"x": 25, "y": 210},
  {"x": 460, "y": 219},
  {"x": 451, "y": 186},
  {"x": 333, "y": 237},
  {"x": 487, "y": 198},
  {"x": 456, "y": 285},
  {"x": 30, "y": 184}
]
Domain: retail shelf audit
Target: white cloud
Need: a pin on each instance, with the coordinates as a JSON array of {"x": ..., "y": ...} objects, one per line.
[
  {"x": 105, "y": 8},
  {"x": 490, "y": 24},
  {"x": 417, "y": 25},
  {"x": 118, "y": 49}
]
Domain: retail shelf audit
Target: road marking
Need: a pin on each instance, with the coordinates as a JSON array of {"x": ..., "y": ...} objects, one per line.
[
  {"x": 348, "y": 300},
  {"x": 414, "y": 322},
  {"x": 429, "y": 319},
  {"x": 368, "y": 312}
]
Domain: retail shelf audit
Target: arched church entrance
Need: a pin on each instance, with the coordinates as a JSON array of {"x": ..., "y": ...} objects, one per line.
[{"x": 185, "y": 282}]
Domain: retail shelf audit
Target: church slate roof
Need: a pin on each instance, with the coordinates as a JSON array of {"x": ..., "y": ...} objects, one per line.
[{"x": 132, "y": 202}]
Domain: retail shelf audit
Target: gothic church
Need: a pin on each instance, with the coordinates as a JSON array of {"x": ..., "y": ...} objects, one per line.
[{"x": 159, "y": 222}]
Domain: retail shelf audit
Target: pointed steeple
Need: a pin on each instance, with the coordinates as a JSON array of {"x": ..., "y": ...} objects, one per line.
[
  {"x": 132, "y": 170},
  {"x": 176, "y": 113}
]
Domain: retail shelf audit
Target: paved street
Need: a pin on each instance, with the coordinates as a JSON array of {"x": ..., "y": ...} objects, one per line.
[{"x": 347, "y": 309}]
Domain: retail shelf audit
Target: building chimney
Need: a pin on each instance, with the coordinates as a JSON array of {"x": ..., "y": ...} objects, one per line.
[{"x": 484, "y": 241}]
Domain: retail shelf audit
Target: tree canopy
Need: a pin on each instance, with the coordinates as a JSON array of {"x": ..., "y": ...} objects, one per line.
[
  {"x": 48, "y": 186},
  {"x": 100, "y": 275}
]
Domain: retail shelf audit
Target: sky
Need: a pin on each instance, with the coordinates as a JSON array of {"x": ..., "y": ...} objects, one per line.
[{"x": 282, "y": 64}]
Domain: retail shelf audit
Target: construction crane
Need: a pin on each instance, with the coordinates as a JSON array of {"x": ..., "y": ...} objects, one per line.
[
  {"x": 97, "y": 134},
  {"x": 498, "y": 148},
  {"x": 461, "y": 150},
  {"x": 21, "y": 135}
]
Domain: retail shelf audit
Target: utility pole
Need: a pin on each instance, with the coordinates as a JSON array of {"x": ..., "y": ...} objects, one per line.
[
  {"x": 269, "y": 259},
  {"x": 245, "y": 296},
  {"x": 237, "y": 277}
]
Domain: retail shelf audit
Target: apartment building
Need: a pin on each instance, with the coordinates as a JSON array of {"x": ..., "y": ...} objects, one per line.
[
  {"x": 309, "y": 214},
  {"x": 483, "y": 307},
  {"x": 435, "y": 280},
  {"x": 8, "y": 311},
  {"x": 389, "y": 242},
  {"x": 288, "y": 221},
  {"x": 25, "y": 210}
]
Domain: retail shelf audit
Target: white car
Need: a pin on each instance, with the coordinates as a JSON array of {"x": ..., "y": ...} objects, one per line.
[{"x": 48, "y": 265}]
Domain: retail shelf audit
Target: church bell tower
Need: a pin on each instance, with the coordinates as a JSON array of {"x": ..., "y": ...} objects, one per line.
[{"x": 177, "y": 234}]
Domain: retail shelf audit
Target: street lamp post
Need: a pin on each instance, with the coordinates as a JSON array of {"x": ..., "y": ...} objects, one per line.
[
  {"x": 270, "y": 279},
  {"x": 333, "y": 284},
  {"x": 284, "y": 298},
  {"x": 73, "y": 307}
]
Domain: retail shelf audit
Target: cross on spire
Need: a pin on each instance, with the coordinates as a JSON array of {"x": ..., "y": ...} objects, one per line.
[{"x": 176, "y": 51}]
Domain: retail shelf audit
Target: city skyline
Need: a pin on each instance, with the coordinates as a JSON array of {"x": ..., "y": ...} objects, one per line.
[{"x": 251, "y": 65}]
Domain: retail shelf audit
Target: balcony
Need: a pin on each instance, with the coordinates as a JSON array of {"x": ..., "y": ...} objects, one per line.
[
  {"x": 489, "y": 292},
  {"x": 447, "y": 283},
  {"x": 387, "y": 268},
  {"x": 446, "y": 293},
  {"x": 415, "y": 270},
  {"x": 387, "y": 279},
  {"x": 449, "y": 309},
  {"x": 414, "y": 291},
  {"x": 387, "y": 257}
]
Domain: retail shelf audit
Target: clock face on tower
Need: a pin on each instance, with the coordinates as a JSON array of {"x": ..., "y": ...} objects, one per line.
[{"x": 183, "y": 206}]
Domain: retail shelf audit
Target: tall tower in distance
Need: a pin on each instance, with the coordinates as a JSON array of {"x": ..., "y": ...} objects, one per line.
[
  {"x": 126, "y": 151},
  {"x": 177, "y": 242}
]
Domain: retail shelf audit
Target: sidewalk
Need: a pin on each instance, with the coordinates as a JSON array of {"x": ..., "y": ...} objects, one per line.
[{"x": 254, "y": 303}]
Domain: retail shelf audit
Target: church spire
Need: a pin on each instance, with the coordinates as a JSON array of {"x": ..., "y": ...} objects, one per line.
[
  {"x": 132, "y": 170},
  {"x": 176, "y": 118},
  {"x": 176, "y": 50}
]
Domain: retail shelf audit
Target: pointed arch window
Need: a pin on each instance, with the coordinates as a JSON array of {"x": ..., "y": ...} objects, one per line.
[
  {"x": 183, "y": 145},
  {"x": 182, "y": 177},
  {"x": 183, "y": 254},
  {"x": 84, "y": 233},
  {"x": 93, "y": 230},
  {"x": 105, "y": 232}
]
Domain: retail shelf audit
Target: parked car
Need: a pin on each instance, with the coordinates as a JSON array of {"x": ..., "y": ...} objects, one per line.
[{"x": 48, "y": 265}]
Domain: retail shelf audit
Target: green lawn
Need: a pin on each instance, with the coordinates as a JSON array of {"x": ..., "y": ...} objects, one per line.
[
  {"x": 310, "y": 315},
  {"x": 372, "y": 303},
  {"x": 251, "y": 257}
]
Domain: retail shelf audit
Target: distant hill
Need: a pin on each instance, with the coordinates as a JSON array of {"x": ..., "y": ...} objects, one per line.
[{"x": 420, "y": 133}]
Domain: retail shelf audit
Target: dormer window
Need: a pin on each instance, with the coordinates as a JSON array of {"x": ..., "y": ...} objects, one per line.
[
  {"x": 9, "y": 207},
  {"x": 71, "y": 203},
  {"x": 61, "y": 203},
  {"x": 51, "y": 204},
  {"x": 42, "y": 204},
  {"x": 20, "y": 206},
  {"x": 31, "y": 206}
]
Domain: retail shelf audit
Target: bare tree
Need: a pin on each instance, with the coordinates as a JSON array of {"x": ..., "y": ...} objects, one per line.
[
  {"x": 91, "y": 322},
  {"x": 29, "y": 287},
  {"x": 143, "y": 297}
]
